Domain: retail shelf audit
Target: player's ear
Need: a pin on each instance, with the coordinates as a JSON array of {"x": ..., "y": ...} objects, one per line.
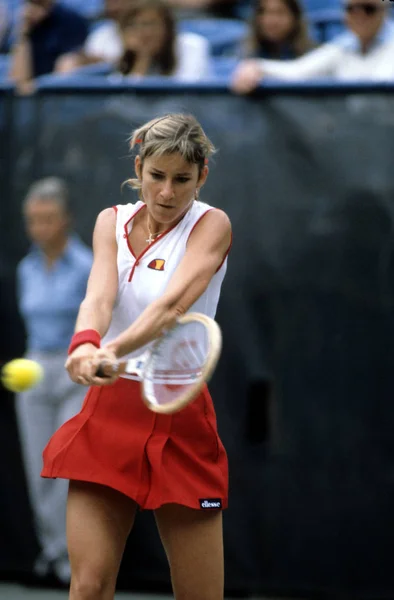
[
  {"x": 203, "y": 176},
  {"x": 138, "y": 166}
]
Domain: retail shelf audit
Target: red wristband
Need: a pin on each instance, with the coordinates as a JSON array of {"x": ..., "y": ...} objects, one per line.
[{"x": 87, "y": 336}]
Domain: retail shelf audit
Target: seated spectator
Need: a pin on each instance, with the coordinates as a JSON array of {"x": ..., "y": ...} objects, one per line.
[
  {"x": 150, "y": 45},
  {"x": 99, "y": 45},
  {"x": 45, "y": 32},
  {"x": 278, "y": 30},
  {"x": 364, "y": 52},
  {"x": 144, "y": 42}
]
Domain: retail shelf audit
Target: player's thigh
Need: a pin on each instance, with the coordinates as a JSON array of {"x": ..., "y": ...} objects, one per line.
[
  {"x": 99, "y": 520},
  {"x": 193, "y": 541}
]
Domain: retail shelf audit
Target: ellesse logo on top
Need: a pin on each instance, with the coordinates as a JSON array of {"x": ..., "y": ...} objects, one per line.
[{"x": 157, "y": 264}]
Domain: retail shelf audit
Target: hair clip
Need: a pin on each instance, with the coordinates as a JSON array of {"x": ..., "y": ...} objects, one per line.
[{"x": 138, "y": 141}]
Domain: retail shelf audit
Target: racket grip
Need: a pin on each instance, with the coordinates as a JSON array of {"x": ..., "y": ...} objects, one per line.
[{"x": 104, "y": 370}]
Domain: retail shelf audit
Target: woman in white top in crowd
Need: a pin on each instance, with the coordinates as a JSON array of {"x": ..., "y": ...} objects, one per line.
[
  {"x": 278, "y": 30},
  {"x": 143, "y": 34},
  {"x": 150, "y": 45},
  {"x": 364, "y": 52}
]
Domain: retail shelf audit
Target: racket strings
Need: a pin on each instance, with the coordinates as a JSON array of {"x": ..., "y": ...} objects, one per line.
[{"x": 177, "y": 363}]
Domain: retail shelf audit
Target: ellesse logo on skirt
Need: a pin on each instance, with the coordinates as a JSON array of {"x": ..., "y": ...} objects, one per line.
[
  {"x": 210, "y": 503},
  {"x": 157, "y": 264}
]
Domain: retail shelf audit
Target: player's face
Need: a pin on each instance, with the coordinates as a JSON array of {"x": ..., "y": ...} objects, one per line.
[
  {"x": 169, "y": 185},
  {"x": 46, "y": 222},
  {"x": 365, "y": 17}
]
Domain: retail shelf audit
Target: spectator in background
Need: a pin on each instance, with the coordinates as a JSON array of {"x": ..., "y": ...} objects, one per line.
[
  {"x": 144, "y": 42},
  {"x": 46, "y": 30},
  {"x": 364, "y": 52},
  {"x": 278, "y": 30},
  {"x": 150, "y": 45},
  {"x": 100, "y": 39},
  {"x": 51, "y": 283},
  {"x": 103, "y": 43}
]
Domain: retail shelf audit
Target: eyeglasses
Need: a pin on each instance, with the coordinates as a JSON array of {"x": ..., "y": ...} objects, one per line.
[{"x": 368, "y": 9}]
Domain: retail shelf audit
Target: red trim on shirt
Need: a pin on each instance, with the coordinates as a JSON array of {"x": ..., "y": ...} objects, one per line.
[
  {"x": 126, "y": 230},
  {"x": 231, "y": 240},
  {"x": 148, "y": 247},
  {"x": 226, "y": 253},
  {"x": 197, "y": 222}
]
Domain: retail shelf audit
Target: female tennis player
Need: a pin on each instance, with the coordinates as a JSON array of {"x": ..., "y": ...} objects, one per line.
[{"x": 153, "y": 261}]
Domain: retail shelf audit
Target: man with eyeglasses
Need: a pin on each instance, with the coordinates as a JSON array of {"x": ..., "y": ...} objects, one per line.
[
  {"x": 364, "y": 52},
  {"x": 45, "y": 31}
]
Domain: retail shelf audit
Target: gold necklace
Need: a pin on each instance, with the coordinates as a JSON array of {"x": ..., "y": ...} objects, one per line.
[{"x": 152, "y": 236}]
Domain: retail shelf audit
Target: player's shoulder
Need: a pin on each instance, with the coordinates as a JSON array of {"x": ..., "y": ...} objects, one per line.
[
  {"x": 212, "y": 214},
  {"x": 119, "y": 211},
  {"x": 126, "y": 211}
]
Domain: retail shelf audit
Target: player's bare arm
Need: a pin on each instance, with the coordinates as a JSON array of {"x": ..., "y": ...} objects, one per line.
[
  {"x": 206, "y": 249},
  {"x": 96, "y": 309}
]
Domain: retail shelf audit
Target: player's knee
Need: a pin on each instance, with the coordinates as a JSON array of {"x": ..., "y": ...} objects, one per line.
[{"x": 91, "y": 584}]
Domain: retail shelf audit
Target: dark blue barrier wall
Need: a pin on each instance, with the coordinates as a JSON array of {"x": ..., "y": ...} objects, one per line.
[
  {"x": 6, "y": 98},
  {"x": 304, "y": 387}
]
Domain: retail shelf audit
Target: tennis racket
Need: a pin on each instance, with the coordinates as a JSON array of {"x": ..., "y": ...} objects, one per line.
[{"x": 175, "y": 368}]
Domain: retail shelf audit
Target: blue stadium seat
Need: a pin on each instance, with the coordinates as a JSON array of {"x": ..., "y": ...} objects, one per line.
[
  {"x": 5, "y": 63},
  {"x": 13, "y": 7},
  {"x": 88, "y": 8},
  {"x": 326, "y": 23},
  {"x": 223, "y": 66},
  {"x": 311, "y": 6},
  {"x": 101, "y": 68},
  {"x": 224, "y": 35}
]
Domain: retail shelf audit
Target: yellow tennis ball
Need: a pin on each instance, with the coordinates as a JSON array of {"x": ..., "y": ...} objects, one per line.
[{"x": 21, "y": 374}]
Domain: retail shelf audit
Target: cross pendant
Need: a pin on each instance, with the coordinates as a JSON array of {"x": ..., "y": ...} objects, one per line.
[{"x": 150, "y": 239}]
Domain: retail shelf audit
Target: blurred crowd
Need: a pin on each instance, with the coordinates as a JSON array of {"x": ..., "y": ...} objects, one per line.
[{"x": 195, "y": 40}]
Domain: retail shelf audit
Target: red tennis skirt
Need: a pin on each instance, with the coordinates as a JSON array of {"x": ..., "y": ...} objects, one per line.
[{"x": 154, "y": 459}]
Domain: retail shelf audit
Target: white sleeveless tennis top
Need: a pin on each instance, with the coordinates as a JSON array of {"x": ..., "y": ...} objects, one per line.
[{"x": 143, "y": 278}]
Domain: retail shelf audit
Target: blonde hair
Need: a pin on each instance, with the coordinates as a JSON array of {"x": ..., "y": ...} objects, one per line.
[{"x": 173, "y": 133}]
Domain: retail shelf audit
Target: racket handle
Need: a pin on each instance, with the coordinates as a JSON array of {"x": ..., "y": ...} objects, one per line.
[{"x": 105, "y": 370}]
